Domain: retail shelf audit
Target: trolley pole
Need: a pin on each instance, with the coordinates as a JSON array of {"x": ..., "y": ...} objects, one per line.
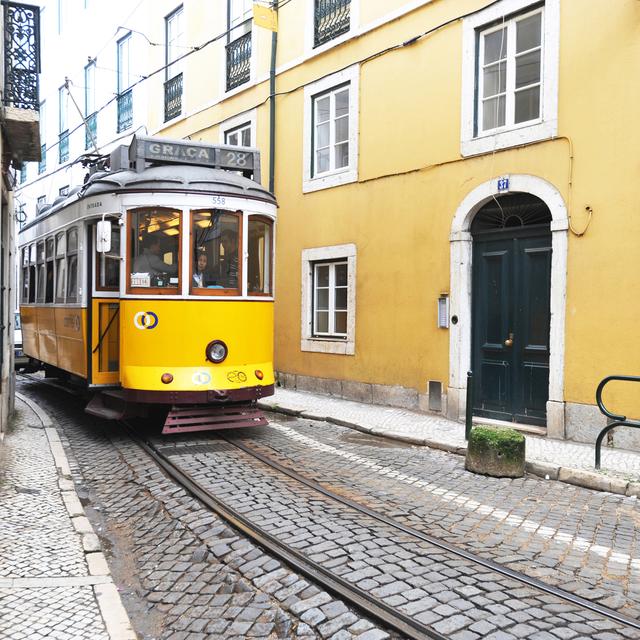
[{"x": 469, "y": 407}]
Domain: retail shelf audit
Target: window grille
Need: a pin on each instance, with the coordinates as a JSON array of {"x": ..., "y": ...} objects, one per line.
[
  {"x": 238, "y": 61},
  {"x": 173, "y": 97},
  {"x": 125, "y": 110},
  {"x": 331, "y": 19}
]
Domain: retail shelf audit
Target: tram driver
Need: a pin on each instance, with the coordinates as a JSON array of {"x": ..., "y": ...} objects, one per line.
[{"x": 149, "y": 261}]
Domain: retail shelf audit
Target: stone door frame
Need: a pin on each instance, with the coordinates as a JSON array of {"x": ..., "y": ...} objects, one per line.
[{"x": 460, "y": 293}]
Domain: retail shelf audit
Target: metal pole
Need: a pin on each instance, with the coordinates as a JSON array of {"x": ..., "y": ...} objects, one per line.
[{"x": 469, "y": 407}]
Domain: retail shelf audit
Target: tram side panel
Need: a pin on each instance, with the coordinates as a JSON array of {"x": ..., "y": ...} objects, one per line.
[
  {"x": 171, "y": 336},
  {"x": 28, "y": 318},
  {"x": 71, "y": 339}
]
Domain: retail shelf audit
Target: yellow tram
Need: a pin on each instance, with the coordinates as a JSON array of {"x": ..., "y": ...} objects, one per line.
[{"x": 152, "y": 285}]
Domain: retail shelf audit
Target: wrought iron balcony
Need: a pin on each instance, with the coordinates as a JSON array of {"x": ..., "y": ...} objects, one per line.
[
  {"x": 63, "y": 147},
  {"x": 238, "y": 61},
  {"x": 125, "y": 110},
  {"x": 42, "y": 165},
  {"x": 21, "y": 56},
  {"x": 331, "y": 19},
  {"x": 173, "y": 97},
  {"x": 20, "y": 91},
  {"x": 91, "y": 131}
]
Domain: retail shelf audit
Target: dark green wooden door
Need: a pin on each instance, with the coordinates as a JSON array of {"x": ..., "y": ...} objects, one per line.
[{"x": 510, "y": 338}]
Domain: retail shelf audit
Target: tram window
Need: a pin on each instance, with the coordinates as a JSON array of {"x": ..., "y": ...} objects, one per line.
[
  {"x": 259, "y": 265},
  {"x": 216, "y": 244},
  {"x": 42, "y": 274},
  {"x": 72, "y": 265},
  {"x": 32, "y": 273},
  {"x": 108, "y": 264},
  {"x": 24, "y": 296},
  {"x": 49, "y": 270},
  {"x": 154, "y": 248},
  {"x": 61, "y": 265}
]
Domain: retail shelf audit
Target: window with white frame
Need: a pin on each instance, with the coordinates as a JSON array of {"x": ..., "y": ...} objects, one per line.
[
  {"x": 90, "y": 88},
  {"x": 239, "y": 11},
  {"x": 328, "y": 299},
  {"x": 175, "y": 41},
  {"x": 124, "y": 63},
  {"x": 239, "y": 136},
  {"x": 510, "y": 75},
  {"x": 331, "y": 131}
]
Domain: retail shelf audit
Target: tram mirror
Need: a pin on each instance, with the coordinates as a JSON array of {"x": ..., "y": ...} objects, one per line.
[{"x": 103, "y": 236}]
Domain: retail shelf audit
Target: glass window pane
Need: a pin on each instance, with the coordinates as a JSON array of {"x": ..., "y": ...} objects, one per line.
[
  {"x": 528, "y": 32},
  {"x": 216, "y": 247},
  {"x": 49, "y": 248},
  {"x": 322, "y": 161},
  {"x": 341, "y": 298},
  {"x": 528, "y": 69},
  {"x": 527, "y": 104},
  {"x": 493, "y": 113},
  {"x": 60, "y": 244},
  {"x": 246, "y": 137},
  {"x": 72, "y": 279},
  {"x": 322, "y": 135},
  {"x": 322, "y": 109},
  {"x": 342, "y": 129},
  {"x": 322, "y": 275},
  {"x": 341, "y": 275},
  {"x": 42, "y": 279},
  {"x": 322, "y": 299},
  {"x": 259, "y": 257},
  {"x": 341, "y": 321},
  {"x": 60, "y": 279},
  {"x": 494, "y": 79},
  {"x": 342, "y": 103},
  {"x": 155, "y": 242},
  {"x": 72, "y": 240},
  {"x": 495, "y": 46},
  {"x": 322, "y": 321},
  {"x": 342, "y": 155},
  {"x": 232, "y": 138}
]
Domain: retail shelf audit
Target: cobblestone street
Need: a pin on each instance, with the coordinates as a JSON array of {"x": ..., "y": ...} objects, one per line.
[{"x": 184, "y": 573}]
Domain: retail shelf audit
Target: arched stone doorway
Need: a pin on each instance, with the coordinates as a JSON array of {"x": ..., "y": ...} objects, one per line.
[{"x": 460, "y": 341}]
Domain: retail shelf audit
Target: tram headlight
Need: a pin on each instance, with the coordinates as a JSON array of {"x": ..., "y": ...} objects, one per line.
[{"x": 216, "y": 351}]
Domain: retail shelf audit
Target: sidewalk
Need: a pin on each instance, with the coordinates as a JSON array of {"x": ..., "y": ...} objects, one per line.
[
  {"x": 54, "y": 579},
  {"x": 562, "y": 460}
]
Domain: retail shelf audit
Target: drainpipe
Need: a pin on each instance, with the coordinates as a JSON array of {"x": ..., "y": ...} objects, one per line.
[{"x": 272, "y": 106}]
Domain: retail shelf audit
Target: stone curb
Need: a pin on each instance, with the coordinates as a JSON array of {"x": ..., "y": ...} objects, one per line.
[
  {"x": 546, "y": 470},
  {"x": 109, "y": 602}
]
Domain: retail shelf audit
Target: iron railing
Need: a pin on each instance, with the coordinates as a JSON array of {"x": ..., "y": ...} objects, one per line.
[
  {"x": 125, "y": 110},
  {"x": 91, "y": 131},
  {"x": 173, "y": 97},
  {"x": 21, "y": 56},
  {"x": 63, "y": 147},
  {"x": 618, "y": 420},
  {"x": 42, "y": 165},
  {"x": 332, "y": 18},
  {"x": 238, "y": 61}
]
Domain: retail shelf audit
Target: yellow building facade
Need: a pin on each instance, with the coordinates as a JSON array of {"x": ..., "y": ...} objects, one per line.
[{"x": 458, "y": 190}]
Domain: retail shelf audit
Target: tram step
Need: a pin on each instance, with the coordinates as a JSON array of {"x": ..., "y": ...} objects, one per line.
[
  {"x": 108, "y": 410},
  {"x": 208, "y": 418}
]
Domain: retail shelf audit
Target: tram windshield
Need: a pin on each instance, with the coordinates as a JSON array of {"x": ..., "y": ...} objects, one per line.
[
  {"x": 215, "y": 250},
  {"x": 154, "y": 248}
]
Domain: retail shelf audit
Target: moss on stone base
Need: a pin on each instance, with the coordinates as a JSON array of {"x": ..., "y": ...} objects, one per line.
[{"x": 495, "y": 451}]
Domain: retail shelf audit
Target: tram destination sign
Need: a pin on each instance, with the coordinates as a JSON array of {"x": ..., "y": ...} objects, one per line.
[{"x": 144, "y": 150}]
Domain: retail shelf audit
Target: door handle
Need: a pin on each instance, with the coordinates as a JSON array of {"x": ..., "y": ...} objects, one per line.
[{"x": 509, "y": 341}]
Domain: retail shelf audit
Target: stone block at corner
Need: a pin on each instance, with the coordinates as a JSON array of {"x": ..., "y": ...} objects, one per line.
[
  {"x": 395, "y": 396},
  {"x": 357, "y": 391},
  {"x": 97, "y": 564},
  {"x": 324, "y": 386}
]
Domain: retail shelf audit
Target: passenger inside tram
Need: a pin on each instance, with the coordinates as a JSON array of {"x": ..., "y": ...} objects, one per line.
[{"x": 155, "y": 249}]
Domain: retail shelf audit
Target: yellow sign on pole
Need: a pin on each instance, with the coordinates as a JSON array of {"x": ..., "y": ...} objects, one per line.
[{"x": 265, "y": 17}]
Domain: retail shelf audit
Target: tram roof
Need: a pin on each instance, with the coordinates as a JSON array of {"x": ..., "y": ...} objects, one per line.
[{"x": 158, "y": 178}]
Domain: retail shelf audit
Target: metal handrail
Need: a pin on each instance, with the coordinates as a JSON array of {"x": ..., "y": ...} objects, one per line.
[{"x": 619, "y": 420}]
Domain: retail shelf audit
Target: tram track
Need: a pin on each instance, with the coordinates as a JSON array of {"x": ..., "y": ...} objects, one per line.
[{"x": 359, "y": 598}]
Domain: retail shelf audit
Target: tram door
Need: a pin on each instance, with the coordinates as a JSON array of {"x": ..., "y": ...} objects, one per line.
[{"x": 105, "y": 312}]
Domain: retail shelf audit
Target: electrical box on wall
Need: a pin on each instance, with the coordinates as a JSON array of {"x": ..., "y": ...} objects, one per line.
[{"x": 443, "y": 311}]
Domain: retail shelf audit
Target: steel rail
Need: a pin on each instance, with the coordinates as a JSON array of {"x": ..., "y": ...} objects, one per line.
[
  {"x": 358, "y": 597},
  {"x": 441, "y": 544}
]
